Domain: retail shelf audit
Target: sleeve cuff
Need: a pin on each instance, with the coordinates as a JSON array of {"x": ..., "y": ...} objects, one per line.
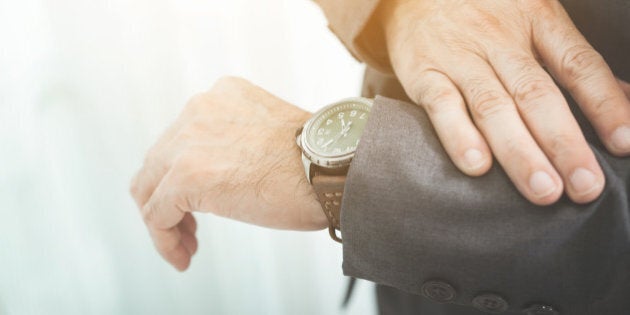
[{"x": 409, "y": 218}]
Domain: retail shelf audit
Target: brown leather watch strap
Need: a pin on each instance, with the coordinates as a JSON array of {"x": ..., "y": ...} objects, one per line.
[{"x": 329, "y": 189}]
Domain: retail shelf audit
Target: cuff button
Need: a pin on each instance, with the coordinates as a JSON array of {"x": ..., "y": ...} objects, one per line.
[
  {"x": 490, "y": 303},
  {"x": 438, "y": 291},
  {"x": 540, "y": 309}
]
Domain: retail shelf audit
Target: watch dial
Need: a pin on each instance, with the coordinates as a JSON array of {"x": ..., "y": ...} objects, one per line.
[{"x": 337, "y": 130}]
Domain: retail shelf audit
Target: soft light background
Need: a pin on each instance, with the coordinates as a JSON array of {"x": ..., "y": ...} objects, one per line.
[{"x": 85, "y": 88}]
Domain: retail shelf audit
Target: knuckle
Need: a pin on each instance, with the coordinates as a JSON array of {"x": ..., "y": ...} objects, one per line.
[
  {"x": 604, "y": 107},
  {"x": 486, "y": 104},
  {"x": 561, "y": 145},
  {"x": 524, "y": 63},
  {"x": 440, "y": 100},
  {"x": 181, "y": 201},
  {"x": 529, "y": 90},
  {"x": 579, "y": 61},
  {"x": 154, "y": 164},
  {"x": 148, "y": 213},
  {"x": 516, "y": 151},
  {"x": 178, "y": 199},
  {"x": 415, "y": 77}
]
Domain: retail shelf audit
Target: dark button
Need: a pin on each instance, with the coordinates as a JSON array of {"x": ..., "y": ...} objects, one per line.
[
  {"x": 490, "y": 303},
  {"x": 540, "y": 309},
  {"x": 438, "y": 291}
]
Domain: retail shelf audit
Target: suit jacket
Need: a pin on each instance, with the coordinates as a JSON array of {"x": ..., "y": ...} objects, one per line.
[{"x": 438, "y": 242}]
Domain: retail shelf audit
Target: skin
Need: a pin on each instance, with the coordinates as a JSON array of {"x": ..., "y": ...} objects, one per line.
[
  {"x": 231, "y": 152},
  {"x": 484, "y": 72},
  {"x": 476, "y": 67}
]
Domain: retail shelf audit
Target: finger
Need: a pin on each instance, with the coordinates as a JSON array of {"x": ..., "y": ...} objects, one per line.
[
  {"x": 168, "y": 242},
  {"x": 447, "y": 110},
  {"x": 496, "y": 116},
  {"x": 585, "y": 74},
  {"x": 188, "y": 227},
  {"x": 189, "y": 223},
  {"x": 145, "y": 181},
  {"x": 168, "y": 204},
  {"x": 162, "y": 214},
  {"x": 189, "y": 241},
  {"x": 549, "y": 119},
  {"x": 156, "y": 163}
]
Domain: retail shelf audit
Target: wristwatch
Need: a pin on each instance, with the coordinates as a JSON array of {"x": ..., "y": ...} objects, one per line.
[{"x": 328, "y": 142}]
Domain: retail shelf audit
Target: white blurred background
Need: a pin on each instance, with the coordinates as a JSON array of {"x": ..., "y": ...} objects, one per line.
[{"x": 85, "y": 88}]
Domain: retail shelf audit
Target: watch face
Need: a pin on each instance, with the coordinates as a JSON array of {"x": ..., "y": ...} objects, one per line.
[{"x": 336, "y": 130}]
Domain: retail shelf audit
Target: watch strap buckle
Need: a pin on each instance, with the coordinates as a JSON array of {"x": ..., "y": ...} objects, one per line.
[{"x": 333, "y": 233}]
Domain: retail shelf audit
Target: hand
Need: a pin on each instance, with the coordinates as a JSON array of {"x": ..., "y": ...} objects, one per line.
[
  {"x": 488, "y": 57},
  {"x": 231, "y": 152}
]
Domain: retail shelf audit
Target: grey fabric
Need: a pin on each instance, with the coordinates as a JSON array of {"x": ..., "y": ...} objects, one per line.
[
  {"x": 409, "y": 216},
  {"x": 394, "y": 301}
]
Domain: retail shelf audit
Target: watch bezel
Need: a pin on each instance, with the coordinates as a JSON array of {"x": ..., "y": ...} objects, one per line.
[{"x": 335, "y": 161}]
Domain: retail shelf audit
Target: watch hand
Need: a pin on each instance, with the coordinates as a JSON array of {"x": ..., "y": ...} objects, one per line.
[
  {"x": 344, "y": 132},
  {"x": 337, "y": 137},
  {"x": 329, "y": 142},
  {"x": 346, "y": 129}
]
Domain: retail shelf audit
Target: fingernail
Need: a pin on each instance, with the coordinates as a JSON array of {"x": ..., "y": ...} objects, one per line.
[
  {"x": 474, "y": 159},
  {"x": 583, "y": 181},
  {"x": 621, "y": 139},
  {"x": 541, "y": 184}
]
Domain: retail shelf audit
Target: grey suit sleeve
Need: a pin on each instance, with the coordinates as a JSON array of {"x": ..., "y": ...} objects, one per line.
[{"x": 410, "y": 217}]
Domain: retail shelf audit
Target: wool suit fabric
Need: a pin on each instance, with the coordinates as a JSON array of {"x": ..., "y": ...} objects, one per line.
[{"x": 410, "y": 217}]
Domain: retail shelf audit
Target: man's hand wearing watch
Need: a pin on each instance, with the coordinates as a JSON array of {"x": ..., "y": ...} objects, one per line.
[{"x": 231, "y": 152}]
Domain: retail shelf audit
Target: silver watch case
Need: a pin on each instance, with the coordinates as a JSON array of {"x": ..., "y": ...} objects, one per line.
[{"x": 309, "y": 156}]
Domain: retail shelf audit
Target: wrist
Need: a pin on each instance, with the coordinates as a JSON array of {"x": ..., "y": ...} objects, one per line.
[
  {"x": 328, "y": 142},
  {"x": 308, "y": 215}
]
